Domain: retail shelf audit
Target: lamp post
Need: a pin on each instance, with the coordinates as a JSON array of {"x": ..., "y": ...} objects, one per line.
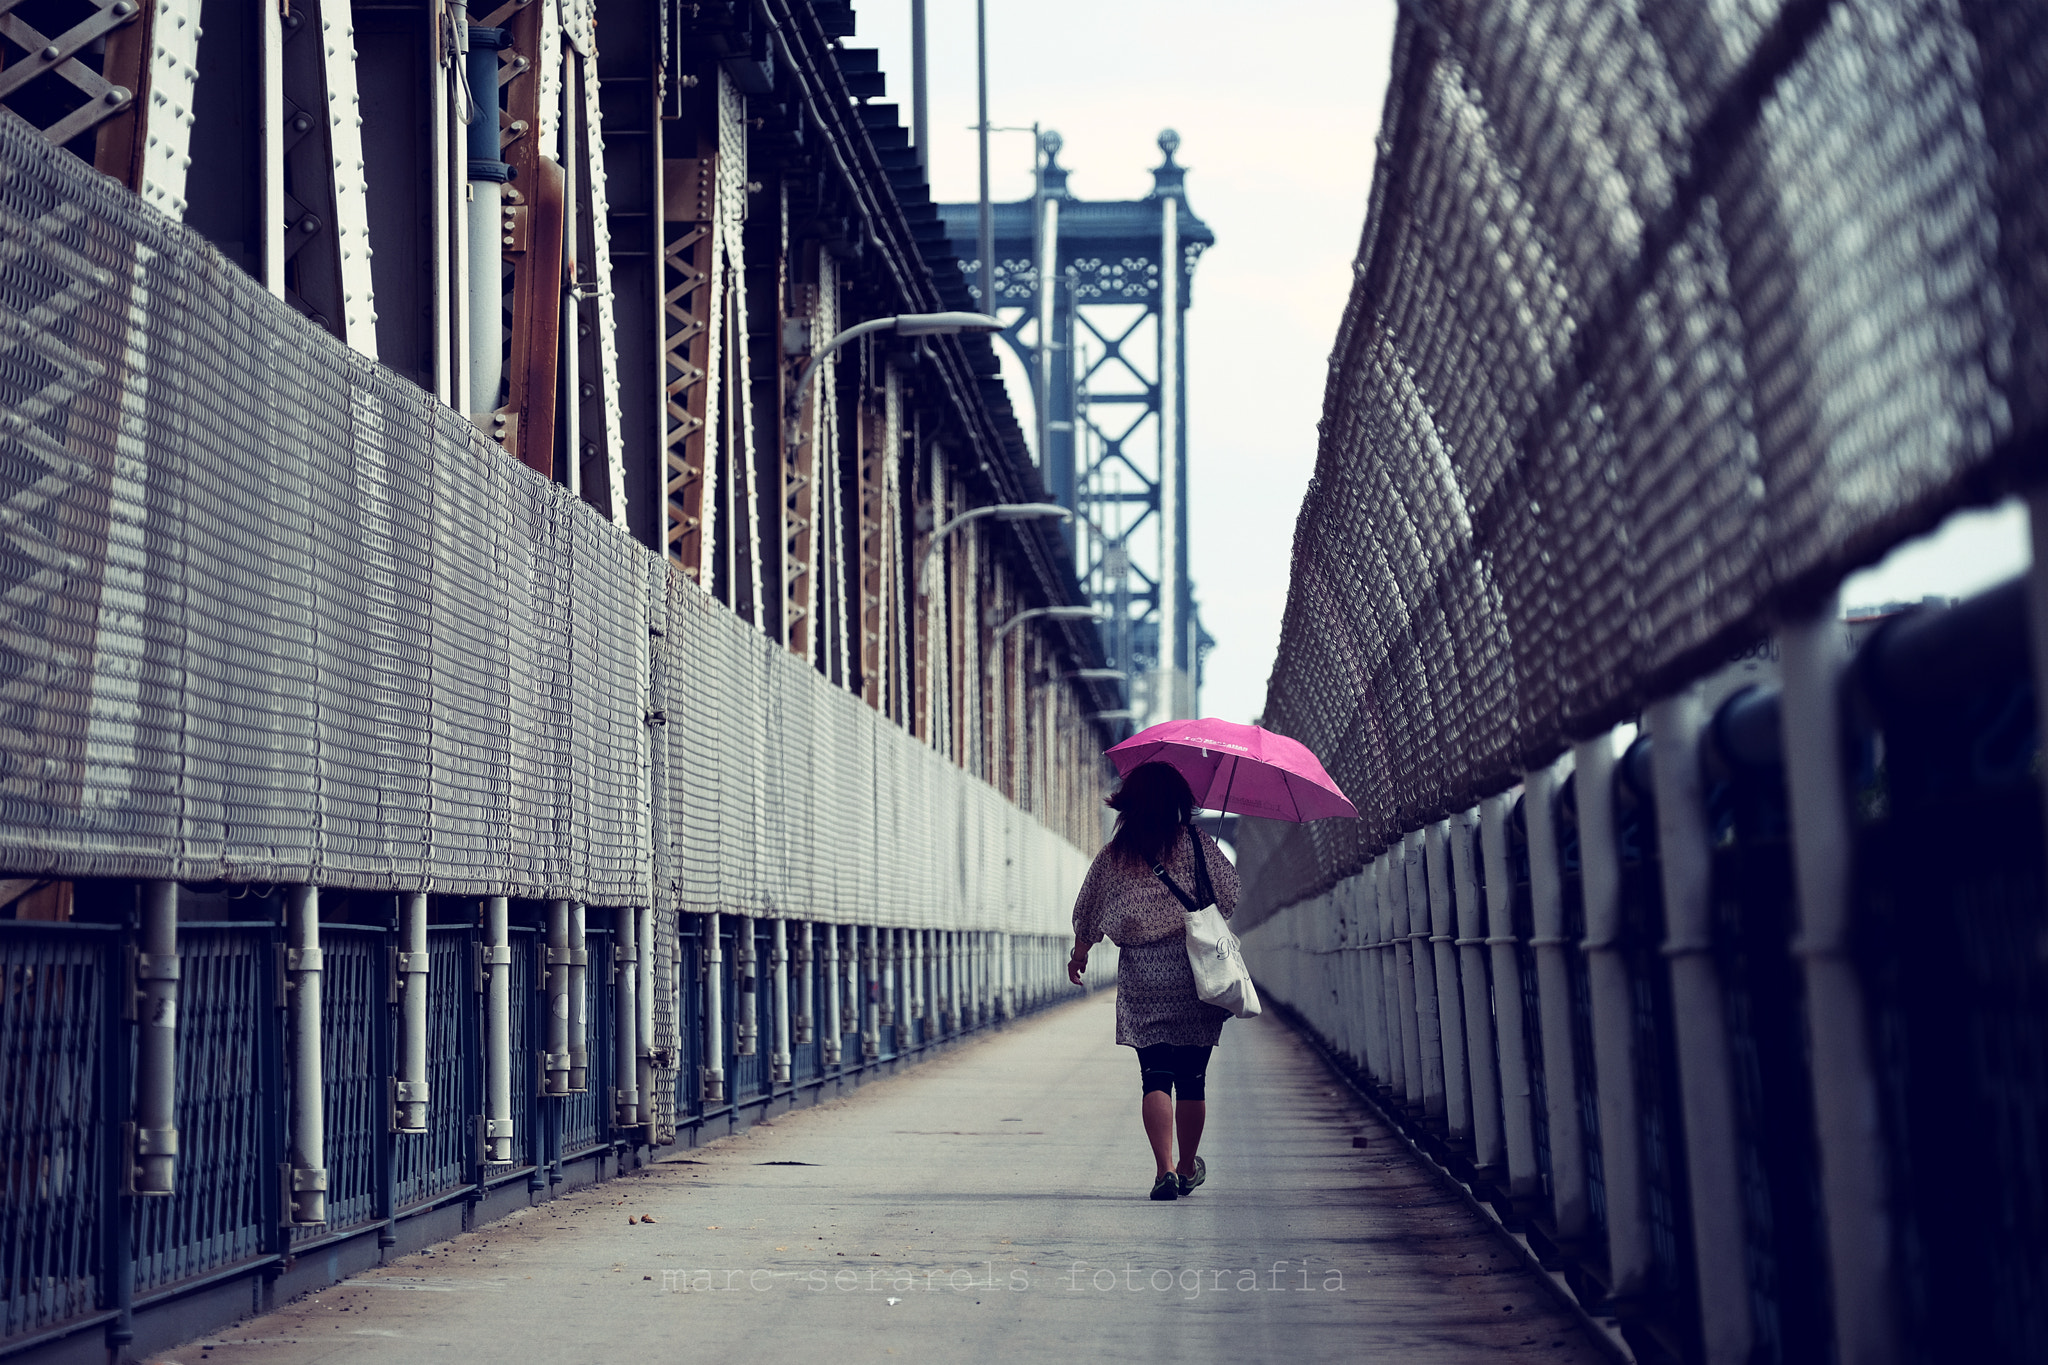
[
  {"x": 1035, "y": 614},
  {"x": 985, "y": 238},
  {"x": 903, "y": 325},
  {"x": 1001, "y": 511}
]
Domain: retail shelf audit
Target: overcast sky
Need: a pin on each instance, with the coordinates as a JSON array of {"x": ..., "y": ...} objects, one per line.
[{"x": 1277, "y": 106}]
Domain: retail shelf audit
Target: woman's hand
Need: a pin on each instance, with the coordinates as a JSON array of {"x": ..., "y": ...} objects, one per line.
[{"x": 1077, "y": 964}]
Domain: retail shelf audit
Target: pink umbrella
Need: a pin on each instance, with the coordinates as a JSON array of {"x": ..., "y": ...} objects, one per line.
[{"x": 1240, "y": 768}]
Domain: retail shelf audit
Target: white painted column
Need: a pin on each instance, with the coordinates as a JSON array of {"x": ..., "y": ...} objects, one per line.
[
  {"x": 835, "y": 1019},
  {"x": 498, "y": 1120},
  {"x": 1630, "y": 1253},
  {"x": 1483, "y": 1074},
  {"x": 156, "y": 1043},
  {"x": 626, "y": 1017},
  {"x": 779, "y": 959},
  {"x": 746, "y": 1026},
  {"x": 555, "y": 1070},
  {"x": 412, "y": 1093},
  {"x": 579, "y": 998},
  {"x": 1518, "y": 1122},
  {"x": 1706, "y": 1085},
  {"x": 807, "y": 982},
  {"x": 643, "y": 1014},
  {"x": 1854, "y": 1199},
  {"x": 1449, "y": 1003},
  {"x": 1400, "y": 1022},
  {"x": 1569, "y": 1200},
  {"x": 713, "y": 959},
  {"x": 307, "y": 1160}
]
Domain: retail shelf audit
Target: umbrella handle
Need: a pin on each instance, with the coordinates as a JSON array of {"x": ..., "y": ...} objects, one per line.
[{"x": 1228, "y": 784}]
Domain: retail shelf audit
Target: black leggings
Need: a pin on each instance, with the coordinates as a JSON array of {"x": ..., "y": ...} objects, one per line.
[{"x": 1171, "y": 1067}]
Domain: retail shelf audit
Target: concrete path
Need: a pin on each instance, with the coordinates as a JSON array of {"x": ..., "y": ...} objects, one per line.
[{"x": 987, "y": 1205}]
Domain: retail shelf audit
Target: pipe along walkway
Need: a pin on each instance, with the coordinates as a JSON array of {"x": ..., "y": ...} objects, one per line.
[{"x": 990, "y": 1202}]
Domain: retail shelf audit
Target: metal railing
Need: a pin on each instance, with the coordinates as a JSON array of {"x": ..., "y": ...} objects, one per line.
[
  {"x": 81, "y": 1249},
  {"x": 1611, "y": 1003}
]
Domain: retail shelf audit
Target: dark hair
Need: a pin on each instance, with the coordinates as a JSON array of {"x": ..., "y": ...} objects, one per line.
[{"x": 1152, "y": 805}]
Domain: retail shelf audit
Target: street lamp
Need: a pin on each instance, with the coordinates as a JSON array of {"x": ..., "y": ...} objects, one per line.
[
  {"x": 1001, "y": 511},
  {"x": 1032, "y": 614},
  {"x": 903, "y": 325}
]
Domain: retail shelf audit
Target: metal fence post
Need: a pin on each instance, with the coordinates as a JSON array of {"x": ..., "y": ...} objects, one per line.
[
  {"x": 870, "y": 1016},
  {"x": 497, "y": 966},
  {"x": 1428, "y": 1026},
  {"x": 1630, "y": 1253},
  {"x": 834, "y": 1020},
  {"x": 625, "y": 1017},
  {"x": 1400, "y": 1021},
  {"x": 885, "y": 953},
  {"x": 807, "y": 982},
  {"x": 711, "y": 962},
  {"x": 387, "y": 1040},
  {"x": 155, "y": 1153},
  {"x": 1700, "y": 1018},
  {"x": 643, "y": 1015},
  {"x": 1569, "y": 1205},
  {"x": 955, "y": 1016},
  {"x": 1330, "y": 977},
  {"x": 746, "y": 1023},
  {"x": 1450, "y": 1003},
  {"x": 307, "y": 1161},
  {"x": 1362, "y": 975},
  {"x": 778, "y": 959},
  {"x": 410, "y": 1093},
  {"x": 908, "y": 984},
  {"x": 1518, "y": 1124},
  {"x": 1396, "y": 887},
  {"x": 1482, "y": 1073},
  {"x": 920, "y": 980},
  {"x": 560, "y": 976},
  {"x": 579, "y": 998},
  {"x": 1814, "y": 653}
]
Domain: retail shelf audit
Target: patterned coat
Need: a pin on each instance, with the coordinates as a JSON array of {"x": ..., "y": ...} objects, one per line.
[{"x": 1155, "y": 986}]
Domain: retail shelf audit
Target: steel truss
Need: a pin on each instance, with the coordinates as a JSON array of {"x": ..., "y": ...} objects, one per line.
[{"x": 1099, "y": 331}]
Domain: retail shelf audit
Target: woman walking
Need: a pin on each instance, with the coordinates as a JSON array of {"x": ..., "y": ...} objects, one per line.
[{"x": 1157, "y": 1011}]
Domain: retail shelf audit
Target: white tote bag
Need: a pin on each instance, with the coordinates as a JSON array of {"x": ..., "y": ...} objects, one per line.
[
  {"x": 1220, "y": 974},
  {"x": 1221, "y": 977}
]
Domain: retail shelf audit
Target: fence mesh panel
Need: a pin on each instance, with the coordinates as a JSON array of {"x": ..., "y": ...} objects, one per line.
[
  {"x": 216, "y": 1218},
  {"x": 269, "y": 613},
  {"x": 53, "y": 1011},
  {"x": 1662, "y": 320}
]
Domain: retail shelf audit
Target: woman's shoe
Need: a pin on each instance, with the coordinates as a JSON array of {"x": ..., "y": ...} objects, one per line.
[
  {"x": 1166, "y": 1186},
  {"x": 1188, "y": 1182}
]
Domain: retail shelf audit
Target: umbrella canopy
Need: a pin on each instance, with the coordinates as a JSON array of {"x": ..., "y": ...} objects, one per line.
[{"x": 1238, "y": 768}]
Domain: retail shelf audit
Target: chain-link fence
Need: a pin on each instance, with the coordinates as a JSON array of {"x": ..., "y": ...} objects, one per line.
[{"x": 1662, "y": 320}]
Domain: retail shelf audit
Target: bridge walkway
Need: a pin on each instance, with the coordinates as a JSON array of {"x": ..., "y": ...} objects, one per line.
[{"x": 988, "y": 1202}]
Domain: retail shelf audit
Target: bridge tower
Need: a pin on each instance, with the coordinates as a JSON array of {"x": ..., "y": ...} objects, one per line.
[{"x": 1100, "y": 329}]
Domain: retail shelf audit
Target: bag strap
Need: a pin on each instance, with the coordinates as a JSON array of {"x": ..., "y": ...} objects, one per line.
[{"x": 1204, "y": 894}]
